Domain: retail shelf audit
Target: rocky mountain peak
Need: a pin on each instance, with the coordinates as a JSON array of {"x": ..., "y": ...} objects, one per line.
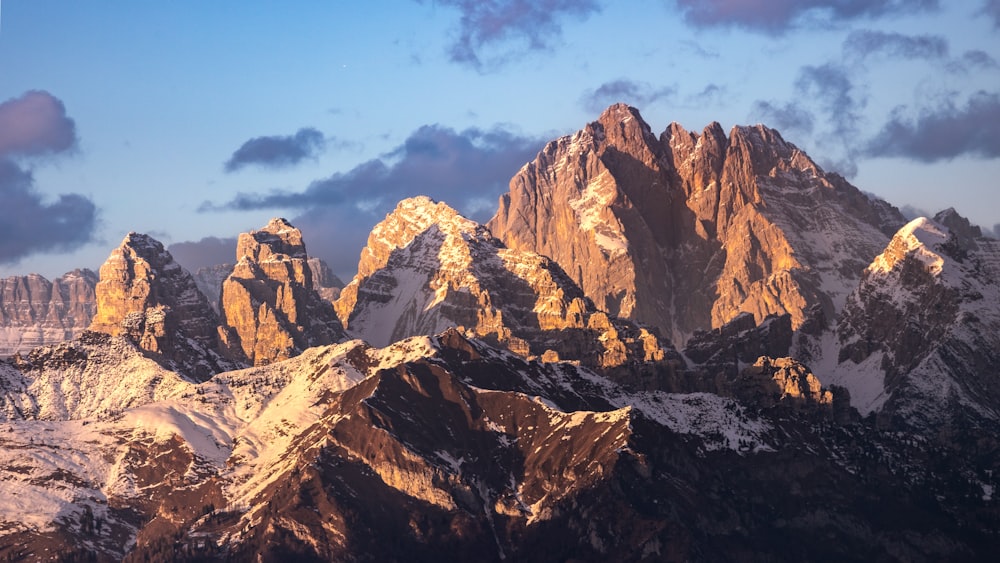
[
  {"x": 688, "y": 231},
  {"x": 269, "y": 307},
  {"x": 144, "y": 295}
]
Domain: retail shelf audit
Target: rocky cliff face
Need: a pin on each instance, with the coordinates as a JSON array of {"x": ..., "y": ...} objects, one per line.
[
  {"x": 35, "y": 312},
  {"x": 684, "y": 232},
  {"x": 426, "y": 269},
  {"x": 269, "y": 306},
  {"x": 145, "y": 296},
  {"x": 919, "y": 336}
]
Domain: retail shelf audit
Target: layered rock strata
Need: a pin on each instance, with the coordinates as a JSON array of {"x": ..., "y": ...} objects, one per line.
[{"x": 36, "y": 312}]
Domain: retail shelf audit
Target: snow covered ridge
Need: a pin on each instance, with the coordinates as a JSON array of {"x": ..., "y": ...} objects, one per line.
[{"x": 81, "y": 410}]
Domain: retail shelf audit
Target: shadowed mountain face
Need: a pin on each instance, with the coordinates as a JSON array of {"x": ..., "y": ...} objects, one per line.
[{"x": 835, "y": 396}]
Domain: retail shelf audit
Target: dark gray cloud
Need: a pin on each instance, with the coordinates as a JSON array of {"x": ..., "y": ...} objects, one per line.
[
  {"x": 623, "y": 90},
  {"x": 830, "y": 85},
  {"x": 208, "y": 251},
  {"x": 789, "y": 117},
  {"x": 865, "y": 43},
  {"x": 467, "y": 169},
  {"x": 991, "y": 9},
  {"x": 943, "y": 132},
  {"x": 975, "y": 59},
  {"x": 278, "y": 151},
  {"x": 489, "y": 31},
  {"x": 776, "y": 16},
  {"x": 29, "y": 224},
  {"x": 35, "y": 124}
]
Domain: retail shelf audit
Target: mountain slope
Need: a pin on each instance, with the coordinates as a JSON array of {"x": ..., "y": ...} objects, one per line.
[{"x": 447, "y": 445}]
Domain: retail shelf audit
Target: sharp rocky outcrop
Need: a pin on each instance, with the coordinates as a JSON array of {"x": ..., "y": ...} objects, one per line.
[
  {"x": 35, "y": 312},
  {"x": 426, "y": 268},
  {"x": 269, "y": 306},
  {"x": 147, "y": 297}
]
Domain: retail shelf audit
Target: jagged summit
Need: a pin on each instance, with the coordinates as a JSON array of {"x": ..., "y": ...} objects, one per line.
[
  {"x": 276, "y": 239},
  {"x": 686, "y": 231},
  {"x": 426, "y": 268}
]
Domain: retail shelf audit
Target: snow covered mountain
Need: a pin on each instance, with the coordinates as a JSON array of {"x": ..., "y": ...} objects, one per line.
[
  {"x": 426, "y": 269},
  {"x": 920, "y": 337}
]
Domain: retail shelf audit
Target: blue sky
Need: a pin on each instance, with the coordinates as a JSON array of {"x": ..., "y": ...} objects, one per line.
[{"x": 194, "y": 121}]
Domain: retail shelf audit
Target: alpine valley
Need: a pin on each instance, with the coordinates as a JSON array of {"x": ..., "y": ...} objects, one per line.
[{"x": 684, "y": 347}]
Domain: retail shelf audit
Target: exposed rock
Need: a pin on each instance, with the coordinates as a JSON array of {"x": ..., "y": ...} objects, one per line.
[
  {"x": 426, "y": 269},
  {"x": 773, "y": 381},
  {"x": 35, "y": 312},
  {"x": 687, "y": 231},
  {"x": 270, "y": 309},
  {"x": 446, "y": 447},
  {"x": 145, "y": 296}
]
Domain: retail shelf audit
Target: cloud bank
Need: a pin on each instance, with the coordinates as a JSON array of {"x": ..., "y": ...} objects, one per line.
[
  {"x": 277, "y": 151},
  {"x": 489, "y": 32},
  {"x": 944, "y": 132},
  {"x": 777, "y": 16},
  {"x": 865, "y": 43},
  {"x": 36, "y": 125}
]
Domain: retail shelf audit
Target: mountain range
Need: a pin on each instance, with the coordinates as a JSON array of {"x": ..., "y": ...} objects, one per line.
[{"x": 673, "y": 347}]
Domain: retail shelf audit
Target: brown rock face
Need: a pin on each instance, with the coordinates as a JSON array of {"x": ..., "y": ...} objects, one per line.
[
  {"x": 147, "y": 297},
  {"x": 426, "y": 269},
  {"x": 270, "y": 309},
  {"x": 685, "y": 232},
  {"x": 35, "y": 312}
]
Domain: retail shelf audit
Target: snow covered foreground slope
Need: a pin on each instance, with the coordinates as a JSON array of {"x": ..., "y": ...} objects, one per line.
[
  {"x": 95, "y": 430},
  {"x": 430, "y": 444}
]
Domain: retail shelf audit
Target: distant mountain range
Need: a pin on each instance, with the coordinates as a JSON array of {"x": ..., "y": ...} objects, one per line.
[{"x": 684, "y": 347}]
